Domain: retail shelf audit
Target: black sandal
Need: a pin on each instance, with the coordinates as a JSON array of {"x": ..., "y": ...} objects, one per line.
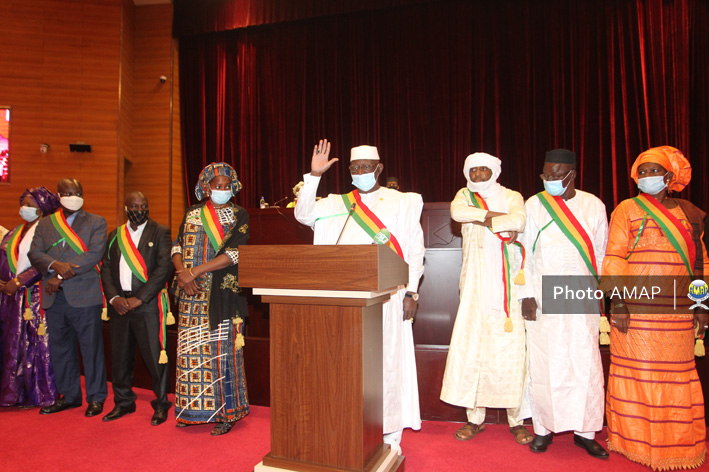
[{"x": 222, "y": 428}]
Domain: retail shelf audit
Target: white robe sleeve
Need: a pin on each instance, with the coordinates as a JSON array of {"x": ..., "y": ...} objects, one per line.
[
  {"x": 516, "y": 216},
  {"x": 600, "y": 236},
  {"x": 413, "y": 229},
  {"x": 305, "y": 211},
  {"x": 527, "y": 239},
  {"x": 462, "y": 211}
]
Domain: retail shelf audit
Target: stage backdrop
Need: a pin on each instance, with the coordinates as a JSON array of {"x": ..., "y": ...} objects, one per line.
[{"x": 430, "y": 82}]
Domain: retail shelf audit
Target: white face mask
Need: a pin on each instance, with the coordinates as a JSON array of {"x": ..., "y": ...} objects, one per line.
[
  {"x": 364, "y": 182},
  {"x": 72, "y": 203},
  {"x": 652, "y": 185},
  {"x": 29, "y": 214},
  {"x": 220, "y": 197}
]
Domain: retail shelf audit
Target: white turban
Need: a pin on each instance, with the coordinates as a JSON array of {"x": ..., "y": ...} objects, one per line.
[
  {"x": 479, "y": 159},
  {"x": 364, "y": 152}
]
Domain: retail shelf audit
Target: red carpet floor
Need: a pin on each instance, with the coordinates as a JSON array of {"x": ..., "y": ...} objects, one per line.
[{"x": 68, "y": 441}]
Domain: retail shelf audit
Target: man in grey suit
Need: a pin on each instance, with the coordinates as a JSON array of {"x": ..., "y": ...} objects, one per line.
[
  {"x": 133, "y": 304},
  {"x": 67, "y": 248}
]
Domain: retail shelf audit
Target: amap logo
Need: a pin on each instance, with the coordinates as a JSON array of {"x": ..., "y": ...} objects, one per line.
[{"x": 698, "y": 291}]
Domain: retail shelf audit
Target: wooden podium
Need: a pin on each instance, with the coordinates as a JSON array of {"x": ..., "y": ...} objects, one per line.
[{"x": 326, "y": 352}]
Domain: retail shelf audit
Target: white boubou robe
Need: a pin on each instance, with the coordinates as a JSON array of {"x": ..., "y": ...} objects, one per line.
[
  {"x": 401, "y": 214},
  {"x": 486, "y": 366},
  {"x": 565, "y": 370}
]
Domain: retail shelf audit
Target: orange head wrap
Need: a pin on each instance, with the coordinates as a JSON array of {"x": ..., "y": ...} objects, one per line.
[{"x": 672, "y": 160}]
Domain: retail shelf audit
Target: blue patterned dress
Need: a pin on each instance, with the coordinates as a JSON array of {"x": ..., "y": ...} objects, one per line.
[{"x": 210, "y": 383}]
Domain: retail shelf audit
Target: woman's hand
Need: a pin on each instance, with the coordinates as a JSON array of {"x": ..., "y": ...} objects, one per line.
[
  {"x": 620, "y": 317},
  {"x": 184, "y": 277}
]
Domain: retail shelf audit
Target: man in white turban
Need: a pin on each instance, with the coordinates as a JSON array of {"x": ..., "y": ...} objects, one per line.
[
  {"x": 486, "y": 358},
  {"x": 397, "y": 218}
]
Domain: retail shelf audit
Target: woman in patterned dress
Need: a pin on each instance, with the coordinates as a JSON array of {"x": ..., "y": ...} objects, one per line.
[
  {"x": 655, "y": 407},
  {"x": 27, "y": 376},
  {"x": 210, "y": 365}
]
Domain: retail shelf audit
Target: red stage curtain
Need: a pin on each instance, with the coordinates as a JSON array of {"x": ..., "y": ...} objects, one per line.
[{"x": 431, "y": 83}]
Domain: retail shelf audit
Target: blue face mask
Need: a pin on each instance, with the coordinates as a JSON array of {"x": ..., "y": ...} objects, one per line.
[
  {"x": 556, "y": 188},
  {"x": 220, "y": 197},
  {"x": 652, "y": 185},
  {"x": 29, "y": 214},
  {"x": 364, "y": 182}
]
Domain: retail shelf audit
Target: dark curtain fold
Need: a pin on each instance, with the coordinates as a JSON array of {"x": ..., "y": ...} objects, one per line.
[{"x": 430, "y": 83}]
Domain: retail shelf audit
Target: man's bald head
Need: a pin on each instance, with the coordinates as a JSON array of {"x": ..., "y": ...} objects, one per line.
[
  {"x": 70, "y": 186},
  {"x": 134, "y": 195}
]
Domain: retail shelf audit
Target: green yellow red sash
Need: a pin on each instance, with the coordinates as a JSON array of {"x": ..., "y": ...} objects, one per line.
[
  {"x": 479, "y": 202},
  {"x": 212, "y": 226},
  {"x": 570, "y": 226},
  {"x": 133, "y": 258},
  {"x": 369, "y": 222},
  {"x": 13, "y": 249},
  {"x": 65, "y": 231},
  {"x": 678, "y": 235}
]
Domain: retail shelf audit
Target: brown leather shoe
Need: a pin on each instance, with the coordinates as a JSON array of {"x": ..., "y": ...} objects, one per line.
[
  {"x": 469, "y": 431},
  {"x": 521, "y": 434}
]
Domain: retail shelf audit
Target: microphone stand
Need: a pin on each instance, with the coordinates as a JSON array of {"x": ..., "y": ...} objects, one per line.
[{"x": 352, "y": 209}]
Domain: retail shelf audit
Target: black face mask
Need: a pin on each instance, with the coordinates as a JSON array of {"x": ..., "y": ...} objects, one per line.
[{"x": 137, "y": 217}]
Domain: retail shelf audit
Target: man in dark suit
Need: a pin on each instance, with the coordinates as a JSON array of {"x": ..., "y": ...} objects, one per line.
[
  {"x": 133, "y": 295},
  {"x": 66, "y": 248}
]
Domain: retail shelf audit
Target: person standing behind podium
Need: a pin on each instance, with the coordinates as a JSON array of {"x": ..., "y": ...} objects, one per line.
[
  {"x": 397, "y": 218},
  {"x": 66, "y": 248},
  {"x": 136, "y": 267}
]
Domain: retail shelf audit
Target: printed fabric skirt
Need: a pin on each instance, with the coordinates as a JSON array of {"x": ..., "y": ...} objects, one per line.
[
  {"x": 210, "y": 383},
  {"x": 655, "y": 406}
]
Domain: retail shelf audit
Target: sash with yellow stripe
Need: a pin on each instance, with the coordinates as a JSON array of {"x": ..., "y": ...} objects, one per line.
[
  {"x": 369, "y": 222},
  {"x": 76, "y": 243},
  {"x": 570, "y": 226},
  {"x": 480, "y": 202},
  {"x": 133, "y": 258},
  {"x": 65, "y": 231},
  {"x": 677, "y": 234},
  {"x": 212, "y": 226},
  {"x": 13, "y": 249}
]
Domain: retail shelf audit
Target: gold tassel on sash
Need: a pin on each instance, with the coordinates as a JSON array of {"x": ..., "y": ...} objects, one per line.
[
  {"x": 42, "y": 329},
  {"x": 104, "y": 314},
  {"x": 27, "y": 314},
  {"x": 699, "y": 348},
  {"x": 239, "y": 326},
  {"x": 163, "y": 357},
  {"x": 605, "y": 328},
  {"x": 170, "y": 319},
  {"x": 519, "y": 278},
  {"x": 508, "y": 325}
]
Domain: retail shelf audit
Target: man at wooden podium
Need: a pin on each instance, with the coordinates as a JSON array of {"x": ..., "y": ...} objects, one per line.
[{"x": 371, "y": 214}]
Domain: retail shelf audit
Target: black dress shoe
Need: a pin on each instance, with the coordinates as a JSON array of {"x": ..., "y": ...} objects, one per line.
[
  {"x": 159, "y": 417},
  {"x": 94, "y": 408},
  {"x": 592, "y": 447},
  {"x": 540, "y": 443},
  {"x": 59, "y": 405},
  {"x": 119, "y": 411}
]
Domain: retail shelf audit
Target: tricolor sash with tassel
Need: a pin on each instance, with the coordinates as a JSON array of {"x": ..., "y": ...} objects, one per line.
[
  {"x": 479, "y": 202},
  {"x": 680, "y": 239},
  {"x": 566, "y": 221},
  {"x": 13, "y": 249},
  {"x": 212, "y": 226},
  {"x": 370, "y": 223},
  {"x": 77, "y": 244},
  {"x": 166, "y": 318}
]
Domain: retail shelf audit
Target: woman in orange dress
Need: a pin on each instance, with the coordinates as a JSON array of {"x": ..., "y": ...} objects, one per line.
[{"x": 655, "y": 405}]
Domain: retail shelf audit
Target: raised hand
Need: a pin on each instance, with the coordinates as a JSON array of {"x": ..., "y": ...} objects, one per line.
[{"x": 320, "y": 163}]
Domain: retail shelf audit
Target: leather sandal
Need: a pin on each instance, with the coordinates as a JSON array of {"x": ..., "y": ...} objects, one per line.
[
  {"x": 521, "y": 434},
  {"x": 222, "y": 428},
  {"x": 469, "y": 431}
]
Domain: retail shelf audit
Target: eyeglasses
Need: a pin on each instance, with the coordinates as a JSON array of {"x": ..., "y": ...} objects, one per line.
[
  {"x": 551, "y": 178},
  {"x": 366, "y": 168}
]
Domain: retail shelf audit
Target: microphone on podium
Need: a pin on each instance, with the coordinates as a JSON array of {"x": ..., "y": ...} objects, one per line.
[
  {"x": 352, "y": 209},
  {"x": 275, "y": 205}
]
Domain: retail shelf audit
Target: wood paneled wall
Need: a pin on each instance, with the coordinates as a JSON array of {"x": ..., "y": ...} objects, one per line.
[
  {"x": 88, "y": 71},
  {"x": 59, "y": 71}
]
